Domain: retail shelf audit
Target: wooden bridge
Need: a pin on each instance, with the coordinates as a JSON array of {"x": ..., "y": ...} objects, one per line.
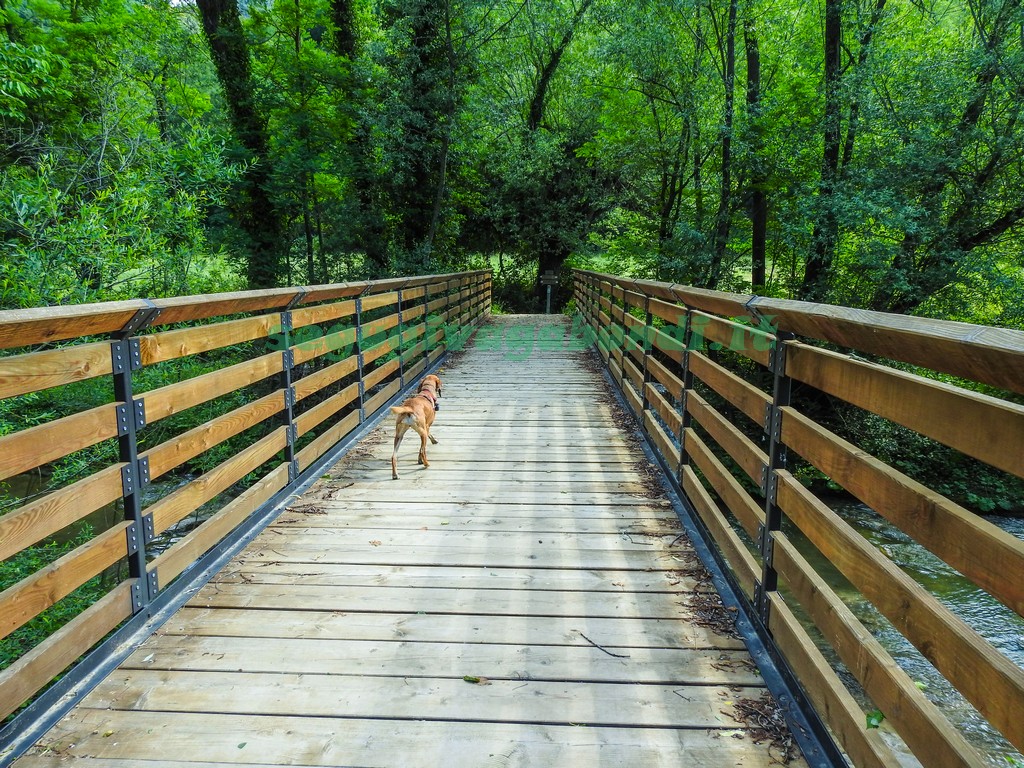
[{"x": 607, "y": 562}]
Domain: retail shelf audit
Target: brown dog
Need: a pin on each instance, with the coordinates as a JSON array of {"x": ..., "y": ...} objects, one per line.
[{"x": 416, "y": 413}]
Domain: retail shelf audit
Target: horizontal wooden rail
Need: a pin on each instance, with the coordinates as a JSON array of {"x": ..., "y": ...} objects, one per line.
[
  {"x": 231, "y": 395},
  {"x": 732, "y": 389}
]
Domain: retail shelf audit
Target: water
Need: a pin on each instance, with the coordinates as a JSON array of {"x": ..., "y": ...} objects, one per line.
[{"x": 1003, "y": 628}]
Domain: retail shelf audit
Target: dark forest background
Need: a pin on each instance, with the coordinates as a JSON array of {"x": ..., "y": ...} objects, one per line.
[{"x": 863, "y": 152}]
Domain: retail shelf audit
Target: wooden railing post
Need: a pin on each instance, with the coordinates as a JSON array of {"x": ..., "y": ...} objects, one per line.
[
  {"x": 126, "y": 358},
  {"x": 781, "y": 392}
]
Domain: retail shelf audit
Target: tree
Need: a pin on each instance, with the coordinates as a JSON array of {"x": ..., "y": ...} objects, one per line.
[
  {"x": 107, "y": 190},
  {"x": 758, "y": 178},
  {"x": 258, "y": 216},
  {"x": 960, "y": 191},
  {"x": 723, "y": 218}
]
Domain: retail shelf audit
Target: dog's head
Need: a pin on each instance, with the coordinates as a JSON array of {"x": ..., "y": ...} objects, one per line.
[{"x": 433, "y": 382}]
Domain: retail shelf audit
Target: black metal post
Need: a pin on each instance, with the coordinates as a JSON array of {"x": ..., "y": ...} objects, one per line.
[
  {"x": 684, "y": 414},
  {"x": 401, "y": 345},
  {"x": 646, "y": 349},
  {"x": 359, "y": 358},
  {"x": 126, "y": 357},
  {"x": 781, "y": 392},
  {"x": 288, "y": 386}
]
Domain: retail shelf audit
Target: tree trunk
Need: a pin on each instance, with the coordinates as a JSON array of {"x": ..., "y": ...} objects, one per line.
[
  {"x": 553, "y": 256},
  {"x": 723, "y": 219},
  {"x": 862, "y": 56},
  {"x": 825, "y": 238},
  {"x": 343, "y": 18},
  {"x": 539, "y": 102},
  {"x": 758, "y": 197},
  {"x": 258, "y": 215},
  {"x": 9, "y": 28}
]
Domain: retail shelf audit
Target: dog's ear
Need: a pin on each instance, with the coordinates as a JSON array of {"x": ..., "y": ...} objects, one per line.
[{"x": 438, "y": 379}]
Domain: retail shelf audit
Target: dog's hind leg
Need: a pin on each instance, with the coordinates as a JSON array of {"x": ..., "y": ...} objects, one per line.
[
  {"x": 424, "y": 434},
  {"x": 400, "y": 430}
]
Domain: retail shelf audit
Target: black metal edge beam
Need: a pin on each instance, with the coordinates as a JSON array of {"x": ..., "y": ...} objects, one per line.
[
  {"x": 808, "y": 730},
  {"x": 32, "y": 723}
]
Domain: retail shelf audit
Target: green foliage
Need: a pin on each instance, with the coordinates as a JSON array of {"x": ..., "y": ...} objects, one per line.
[
  {"x": 405, "y": 134},
  {"x": 27, "y": 562},
  {"x": 968, "y": 482},
  {"x": 109, "y": 175},
  {"x": 28, "y": 74}
]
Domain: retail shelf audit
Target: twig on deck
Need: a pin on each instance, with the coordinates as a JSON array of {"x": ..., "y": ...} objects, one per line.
[{"x": 616, "y": 655}]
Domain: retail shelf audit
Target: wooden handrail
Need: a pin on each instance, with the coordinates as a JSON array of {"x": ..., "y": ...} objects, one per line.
[
  {"x": 287, "y": 374},
  {"x": 710, "y": 378}
]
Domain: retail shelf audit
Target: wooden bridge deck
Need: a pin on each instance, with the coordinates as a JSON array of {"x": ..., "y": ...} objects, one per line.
[{"x": 526, "y": 601}]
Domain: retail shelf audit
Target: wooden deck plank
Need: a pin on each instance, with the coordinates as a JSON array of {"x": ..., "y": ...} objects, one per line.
[
  {"x": 536, "y": 553},
  {"x": 210, "y": 739},
  {"x": 280, "y": 551},
  {"x": 325, "y": 518},
  {"x": 537, "y": 579},
  {"x": 675, "y": 632},
  {"x": 457, "y": 539},
  {"x": 441, "y": 600},
  {"x": 343, "y": 658},
  {"x": 416, "y": 698}
]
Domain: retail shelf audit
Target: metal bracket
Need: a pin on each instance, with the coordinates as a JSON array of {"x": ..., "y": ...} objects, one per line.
[
  {"x": 138, "y": 417},
  {"x": 119, "y": 362},
  {"x": 121, "y": 412},
  {"x": 296, "y": 298},
  {"x": 772, "y": 491},
  {"x": 125, "y": 355},
  {"x": 777, "y": 354},
  {"x": 134, "y": 476},
  {"x": 134, "y": 354},
  {"x": 768, "y": 410},
  {"x": 137, "y": 602},
  {"x": 289, "y": 397},
  {"x": 293, "y": 470},
  {"x": 141, "y": 319},
  {"x": 148, "y": 529},
  {"x": 768, "y": 551},
  {"x": 132, "y": 534},
  {"x": 154, "y": 584},
  {"x": 288, "y": 359},
  {"x": 762, "y": 604},
  {"x": 292, "y": 433},
  {"x": 128, "y": 480}
]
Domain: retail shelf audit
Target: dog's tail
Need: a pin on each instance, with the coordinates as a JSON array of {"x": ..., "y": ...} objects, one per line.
[{"x": 398, "y": 410}]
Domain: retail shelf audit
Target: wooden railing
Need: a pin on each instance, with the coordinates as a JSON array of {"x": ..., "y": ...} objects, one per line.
[
  {"x": 287, "y": 374},
  {"x": 727, "y": 387}
]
